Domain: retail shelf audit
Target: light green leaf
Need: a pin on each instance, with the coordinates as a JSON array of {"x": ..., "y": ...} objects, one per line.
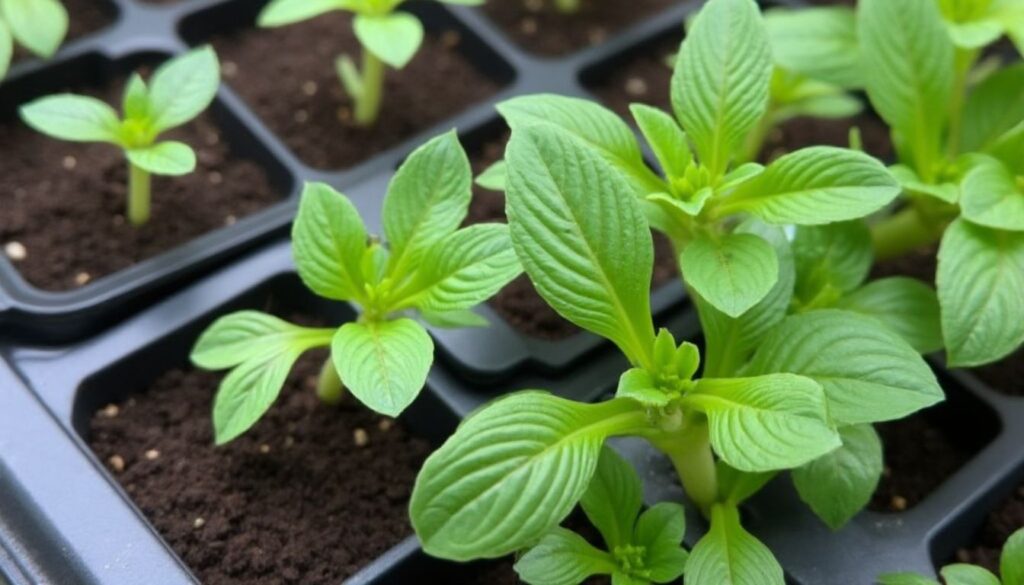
[
  {"x": 993, "y": 108},
  {"x": 563, "y": 557},
  {"x": 980, "y": 279},
  {"x": 1011, "y": 563},
  {"x": 6, "y": 48},
  {"x": 905, "y": 579},
  {"x": 455, "y": 319},
  {"x": 72, "y": 117},
  {"x": 962, "y": 574},
  {"x": 665, "y": 137},
  {"x": 512, "y": 472},
  {"x": 246, "y": 335},
  {"x": 638, "y": 384},
  {"x": 383, "y": 363},
  {"x": 164, "y": 158},
  {"x": 732, "y": 273},
  {"x": 587, "y": 248},
  {"x": 908, "y": 307},
  {"x": 135, "y": 101},
  {"x": 820, "y": 43},
  {"x": 833, "y": 258},
  {"x": 914, "y": 185},
  {"x": 974, "y": 35},
  {"x": 816, "y": 185},
  {"x": 394, "y": 38},
  {"x": 839, "y": 484},
  {"x": 869, "y": 373},
  {"x": 660, "y": 530},
  {"x": 282, "y": 12},
  {"x": 37, "y": 25},
  {"x": 183, "y": 87},
  {"x": 494, "y": 178},
  {"x": 729, "y": 555},
  {"x": 990, "y": 196},
  {"x": 328, "y": 241},
  {"x": 613, "y": 499},
  {"x": 765, "y": 423}
]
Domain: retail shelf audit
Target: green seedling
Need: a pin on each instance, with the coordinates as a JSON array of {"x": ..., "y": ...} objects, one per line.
[
  {"x": 1011, "y": 568},
  {"x": 178, "y": 91},
  {"x": 568, "y": 6},
  {"x": 425, "y": 265},
  {"x": 37, "y": 25},
  {"x": 389, "y": 38}
]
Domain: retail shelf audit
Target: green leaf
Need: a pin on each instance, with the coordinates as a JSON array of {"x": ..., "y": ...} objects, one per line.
[
  {"x": 908, "y": 307},
  {"x": 660, "y": 530},
  {"x": 494, "y": 178},
  {"x": 72, "y": 117},
  {"x": 993, "y": 108},
  {"x": 613, "y": 499},
  {"x": 563, "y": 557},
  {"x": 328, "y": 240},
  {"x": 135, "y": 102},
  {"x": 820, "y": 43},
  {"x": 869, "y": 373},
  {"x": 1011, "y": 564},
  {"x": 909, "y": 54},
  {"x": 427, "y": 199},
  {"x": 455, "y": 319},
  {"x": 765, "y": 423},
  {"x": 729, "y": 555},
  {"x": 816, "y": 185},
  {"x": 905, "y": 579},
  {"x": 914, "y": 185},
  {"x": 594, "y": 125},
  {"x": 962, "y": 574},
  {"x": 721, "y": 80},
  {"x": 990, "y": 196},
  {"x": 835, "y": 258},
  {"x": 666, "y": 138},
  {"x": 245, "y": 335},
  {"x": 512, "y": 472},
  {"x": 638, "y": 384},
  {"x": 465, "y": 269},
  {"x": 183, "y": 87},
  {"x": 282, "y": 12},
  {"x": 980, "y": 279},
  {"x": 164, "y": 158},
  {"x": 839, "y": 484},
  {"x": 37, "y": 25},
  {"x": 394, "y": 38},
  {"x": 383, "y": 363},
  {"x": 6, "y": 48},
  {"x": 587, "y": 248},
  {"x": 732, "y": 272}
]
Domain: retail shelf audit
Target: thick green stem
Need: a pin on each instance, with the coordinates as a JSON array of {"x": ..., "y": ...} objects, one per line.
[
  {"x": 691, "y": 455},
  {"x": 903, "y": 232},
  {"x": 328, "y": 386},
  {"x": 139, "y": 186},
  {"x": 368, "y": 100}
]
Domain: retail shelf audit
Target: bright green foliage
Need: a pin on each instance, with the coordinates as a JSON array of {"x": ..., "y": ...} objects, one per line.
[
  {"x": 178, "y": 91},
  {"x": 840, "y": 484},
  {"x": 36, "y": 25},
  {"x": 389, "y": 38},
  {"x": 729, "y": 554},
  {"x": 1011, "y": 569},
  {"x": 429, "y": 266}
]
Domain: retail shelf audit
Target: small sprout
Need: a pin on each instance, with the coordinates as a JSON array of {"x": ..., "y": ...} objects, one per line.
[
  {"x": 389, "y": 38},
  {"x": 1011, "y": 570},
  {"x": 179, "y": 90},
  {"x": 37, "y": 25}
]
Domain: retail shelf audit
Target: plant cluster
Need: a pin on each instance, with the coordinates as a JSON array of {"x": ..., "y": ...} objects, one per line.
[
  {"x": 37, "y": 25},
  {"x": 1011, "y": 569}
]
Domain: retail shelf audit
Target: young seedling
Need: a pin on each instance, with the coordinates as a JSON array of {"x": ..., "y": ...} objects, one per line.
[
  {"x": 426, "y": 265},
  {"x": 389, "y": 38},
  {"x": 178, "y": 91},
  {"x": 1011, "y": 569},
  {"x": 37, "y": 25}
]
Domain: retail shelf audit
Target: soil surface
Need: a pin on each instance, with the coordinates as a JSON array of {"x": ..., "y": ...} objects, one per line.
[
  {"x": 84, "y": 17},
  {"x": 63, "y": 224},
  {"x": 1006, "y": 375},
  {"x": 287, "y": 75},
  {"x": 1001, "y": 523},
  {"x": 920, "y": 264},
  {"x": 540, "y": 28},
  {"x": 309, "y": 495}
]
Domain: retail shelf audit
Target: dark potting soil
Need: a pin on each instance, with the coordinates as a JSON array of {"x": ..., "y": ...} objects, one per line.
[
  {"x": 1006, "y": 375},
  {"x": 987, "y": 546},
  {"x": 287, "y": 75},
  {"x": 540, "y": 28},
  {"x": 84, "y": 17},
  {"x": 309, "y": 495},
  {"x": 921, "y": 264},
  {"x": 64, "y": 202},
  {"x": 519, "y": 303}
]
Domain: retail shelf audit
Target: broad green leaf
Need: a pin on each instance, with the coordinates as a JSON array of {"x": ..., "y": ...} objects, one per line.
[
  {"x": 454, "y": 319},
  {"x": 733, "y": 272},
  {"x": 427, "y": 199},
  {"x": 905, "y": 579},
  {"x": 765, "y": 423},
  {"x": 820, "y": 43},
  {"x": 512, "y": 472},
  {"x": 869, "y": 373},
  {"x": 394, "y": 38},
  {"x": 962, "y": 574},
  {"x": 638, "y": 384},
  {"x": 282, "y": 12},
  {"x": 6, "y": 48},
  {"x": 909, "y": 54},
  {"x": 660, "y": 530},
  {"x": 1011, "y": 563},
  {"x": 991, "y": 196},
  {"x": 816, "y": 185},
  {"x": 37, "y": 25},
  {"x": 383, "y": 363},
  {"x": 328, "y": 240},
  {"x": 974, "y": 35},
  {"x": 908, "y": 307},
  {"x": 721, "y": 80},
  {"x": 834, "y": 258},
  {"x": 1009, "y": 149},
  {"x": 914, "y": 185},
  {"x": 72, "y": 117},
  {"x": 249, "y": 390},
  {"x": 246, "y": 335},
  {"x": 613, "y": 499},
  {"x": 493, "y": 178},
  {"x": 465, "y": 269},
  {"x": 183, "y": 87},
  {"x": 563, "y": 557},
  {"x": 169, "y": 158},
  {"x": 980, "y": 279},
  {"x": 135, "y": 101},
  {"x": 729, "y": 555},
  {"x": 839, "y": 484},
  {"x": 587, "y": 248},
  {"x": 993, "y": 108},
  {"x": 595, "y": 125},
  {"x": 666, "y": 138}
]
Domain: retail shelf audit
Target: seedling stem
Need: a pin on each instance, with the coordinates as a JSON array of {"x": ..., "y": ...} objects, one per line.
[
  {"x": 139, "y": 187},
  {"x": 328, "y": 385},
  {"x": 368, "y": 98}
]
